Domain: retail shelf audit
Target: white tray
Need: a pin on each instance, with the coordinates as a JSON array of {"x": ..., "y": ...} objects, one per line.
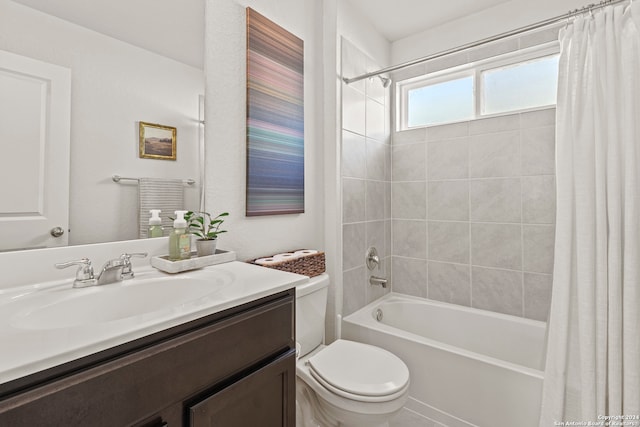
[{"x": 163, "y": 263}]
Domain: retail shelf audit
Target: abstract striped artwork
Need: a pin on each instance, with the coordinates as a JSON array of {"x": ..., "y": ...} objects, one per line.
[{"x": 275, "y": 118}]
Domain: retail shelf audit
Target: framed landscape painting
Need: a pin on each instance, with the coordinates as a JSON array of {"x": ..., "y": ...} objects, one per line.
[
  {"x": 275, "y": 118},
  {"x": 157, "y": 141}
]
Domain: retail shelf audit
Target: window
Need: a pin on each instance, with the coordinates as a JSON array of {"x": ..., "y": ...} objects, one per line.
[
  {"x": 520, "y": 81},
  {"x": 521, "y": 86},
  {"x": 454, "y": 98}
]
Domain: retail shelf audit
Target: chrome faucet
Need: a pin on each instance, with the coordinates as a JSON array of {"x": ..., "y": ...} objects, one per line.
[
  {"x": 111, "y": 272},
  {"x": 114, "y": 270},
  {"x": 84, "y": 275},
  {"x": 127, "y": 272},
  {"x": 379, "y": 281}
]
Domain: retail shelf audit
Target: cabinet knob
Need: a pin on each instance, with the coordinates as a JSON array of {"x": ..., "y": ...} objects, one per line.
[{"x": 57, "y": 231}]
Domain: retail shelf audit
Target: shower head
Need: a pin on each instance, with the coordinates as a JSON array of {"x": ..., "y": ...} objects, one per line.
[{"x": 385, "y": 81}]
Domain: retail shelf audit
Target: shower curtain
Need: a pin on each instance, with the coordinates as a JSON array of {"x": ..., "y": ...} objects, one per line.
[{"x": 593, "y": 357}]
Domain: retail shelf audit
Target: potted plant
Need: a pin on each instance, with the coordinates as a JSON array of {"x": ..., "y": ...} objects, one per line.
[{"x": 207, "y": 229}]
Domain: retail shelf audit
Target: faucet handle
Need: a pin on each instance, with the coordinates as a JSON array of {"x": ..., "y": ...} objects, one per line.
[
  {"x": 127, "y": 272},
  {"x": 134, "y": 255},
  {"x": 84, "y": 275}
]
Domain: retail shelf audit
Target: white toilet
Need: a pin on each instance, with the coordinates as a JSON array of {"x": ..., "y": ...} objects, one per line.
[{"x": 345, "y": 383}]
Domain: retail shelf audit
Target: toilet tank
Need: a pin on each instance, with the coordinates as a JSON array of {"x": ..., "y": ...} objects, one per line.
[{"x": 311, "y": 308}]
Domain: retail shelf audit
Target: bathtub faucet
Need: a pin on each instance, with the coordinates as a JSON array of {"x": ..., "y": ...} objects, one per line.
[{"x": 380, "y": 281}]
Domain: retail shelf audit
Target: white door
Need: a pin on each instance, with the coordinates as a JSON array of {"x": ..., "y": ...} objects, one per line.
[{"x": 34, "y": 158}]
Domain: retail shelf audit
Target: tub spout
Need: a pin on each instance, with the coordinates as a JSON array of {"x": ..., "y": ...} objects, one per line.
[{"x": 379, "y": 281}]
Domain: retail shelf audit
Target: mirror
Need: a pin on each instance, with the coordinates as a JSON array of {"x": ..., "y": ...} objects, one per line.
[{"x": 129, "y": 62}]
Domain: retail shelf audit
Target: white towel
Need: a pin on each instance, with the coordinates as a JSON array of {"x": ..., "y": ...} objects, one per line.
[{"x": 156, "y": 193}]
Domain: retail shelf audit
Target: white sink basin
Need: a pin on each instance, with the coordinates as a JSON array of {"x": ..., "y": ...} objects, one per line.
[{"x": 144, "y": 298}]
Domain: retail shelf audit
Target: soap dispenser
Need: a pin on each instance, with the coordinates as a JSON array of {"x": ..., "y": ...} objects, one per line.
[
  {"x": 155, "y": 224},
  {"x": 179, "y": 239}
]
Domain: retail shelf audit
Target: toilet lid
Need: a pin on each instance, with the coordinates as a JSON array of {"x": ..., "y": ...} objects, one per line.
[{"x": 360, "y": 369}]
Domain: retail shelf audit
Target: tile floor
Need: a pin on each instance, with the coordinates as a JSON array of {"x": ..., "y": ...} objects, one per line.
[{"x": 408, "y": 418}]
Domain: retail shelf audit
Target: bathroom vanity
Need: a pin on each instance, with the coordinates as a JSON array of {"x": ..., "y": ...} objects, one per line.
[{"x": 228, "y": 359}]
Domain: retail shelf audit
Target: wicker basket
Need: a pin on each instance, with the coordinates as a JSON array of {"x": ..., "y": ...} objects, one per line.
[{"x": 308, "y": 265}]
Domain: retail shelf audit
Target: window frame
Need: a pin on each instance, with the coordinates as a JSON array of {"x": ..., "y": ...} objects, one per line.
[{"x": 475, "y": 70}]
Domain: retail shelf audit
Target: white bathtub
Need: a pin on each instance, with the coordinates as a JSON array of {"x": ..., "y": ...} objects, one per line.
[{"x": 468, "y": 367}]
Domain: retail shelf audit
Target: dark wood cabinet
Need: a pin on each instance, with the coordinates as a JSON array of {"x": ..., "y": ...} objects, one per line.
[
  {"x": 265, "y": 398},
  {"x": 228, "y": 369}
]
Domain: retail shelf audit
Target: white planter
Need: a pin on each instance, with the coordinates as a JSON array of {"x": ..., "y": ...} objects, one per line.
[{"x": 206, "y": 247}]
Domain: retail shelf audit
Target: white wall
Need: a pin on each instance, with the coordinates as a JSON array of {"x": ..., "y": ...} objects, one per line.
[
  {"x": 490, "y": 22},
  {"x": 225, "y": 135},
  {"x": 359, "y": 31},
  {"x": 114, "y": 85}
]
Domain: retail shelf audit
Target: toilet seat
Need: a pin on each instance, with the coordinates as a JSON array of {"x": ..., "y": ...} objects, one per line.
[{"x": 360, "y": 372}]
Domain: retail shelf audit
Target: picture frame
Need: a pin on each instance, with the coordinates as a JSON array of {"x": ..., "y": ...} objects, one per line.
[{"x": 157, "y": 141}]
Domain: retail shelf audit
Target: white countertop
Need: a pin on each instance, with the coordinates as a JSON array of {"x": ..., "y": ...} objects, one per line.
[{"x": 24, "y": 351}]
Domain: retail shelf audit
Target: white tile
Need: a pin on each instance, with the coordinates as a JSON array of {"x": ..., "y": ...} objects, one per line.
[
  {"x": 353, "y": 110},
  {"x": 376, "y": 159},
  {"x": 449, "y": 241},
  {"x": 353, "y": 63},
  {"x": 409, "y": 162},
  {"x": 539, "y": 199},
  {"x": 537, "y": 296},
  {"x": 538, "y": 151},
  {"x": 538, "y": 241},
  {"x": 406, "y": 418},
  {"x": 409, "y": 238},
  {"x": 375, "y": 200},
  {"x": 353, "y": 245},
  {"x": 539, "y": 118},
  {"x": 387, "y": 162},
  {"x": 494, "y": 155},
  {"x": 448, "y": 159},
  {"x": 497, "y": 290},
  {"x": 387, "y": 200},
  {"x": 453, "y": 130},
  {"x": 353, "y": 290},
  {"x": 409, "y": 200},
  {"x": 384, "y": 271},
  {"x": 388, "y": 227},
  {"x": 375, "y": 236},
  {"x": 448, "y": 200},
  {"x": 449, "y": 283},
  {"x": 495, "y": 200},
  {"x": 496, "y": 245},
  {"x": 374, "y": 88},
  {"x": 494, "y": 124},
  {"x": 353, "y": 155},
  {"x": 375, "y": 120},
  {"x": 353, "y": 200},
  {"x": 409, "y": 276},
  {"x": 409, "y": 136}
]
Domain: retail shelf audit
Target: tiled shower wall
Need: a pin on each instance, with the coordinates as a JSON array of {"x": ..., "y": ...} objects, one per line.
[
  {"x": 473, "y": 208},
  {"x": 473, "y": 203},
  {"x": 366, "y": 176}
]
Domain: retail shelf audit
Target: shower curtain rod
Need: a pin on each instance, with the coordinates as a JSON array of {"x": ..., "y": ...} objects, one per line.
[{"x": 521, "y": 30}]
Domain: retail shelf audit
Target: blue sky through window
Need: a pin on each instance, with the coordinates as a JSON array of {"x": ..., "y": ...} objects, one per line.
[
  {"x": 521, "y": 86},
  {"x": 445, "y": 102}
]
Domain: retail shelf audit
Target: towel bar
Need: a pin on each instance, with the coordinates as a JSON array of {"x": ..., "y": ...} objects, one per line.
[{"x": 117, "y": 178}]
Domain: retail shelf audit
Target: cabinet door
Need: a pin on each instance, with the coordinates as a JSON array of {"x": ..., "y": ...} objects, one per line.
[{"x": 264, "y": 398}]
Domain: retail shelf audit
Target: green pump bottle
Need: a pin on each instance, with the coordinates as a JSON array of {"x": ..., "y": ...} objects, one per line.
[{"x": 179, "y": 239}]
